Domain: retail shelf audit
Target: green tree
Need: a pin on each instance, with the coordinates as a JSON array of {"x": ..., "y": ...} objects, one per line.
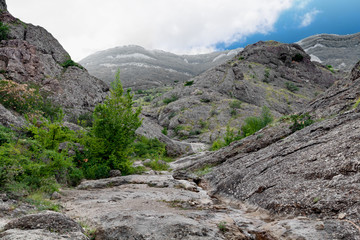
[{"x": 115, "y": 123}]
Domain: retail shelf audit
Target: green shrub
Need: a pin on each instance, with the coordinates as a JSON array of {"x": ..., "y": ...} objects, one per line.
[
  {"x": 4, "y": 31},
  {"x": 266, "y": 75},
  {"x": 356, "y": 104},
  {"x": 69, "y": 63},
  {"x": 149, "y": 147},
  {"x": 300, "y": 121},
  {"x": 205, "y": 100},
  {"x": 254, "y": 124},
  {"x": 298, "y": 57},
  {"x": 331, "y": 69},
  {"x": 217, "y": 144},
  {"x": 157, "y": 165},
  {"x": 188, "y": 83},
  {"x": 164, "y": 131},
  {"x": 96, "y": 171},
  {"x": 291, "y": 87},
  {"x": 203, "y": 171},
  {"x": 235, "y": 104},
  {"x": 173, "y": 98}
]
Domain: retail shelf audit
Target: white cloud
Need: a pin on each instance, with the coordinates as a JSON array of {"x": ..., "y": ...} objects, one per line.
[
  {"x": 302, "y": 4},
  {"x": 308, "y": 18},
  {"x": 186, "y": 26}
]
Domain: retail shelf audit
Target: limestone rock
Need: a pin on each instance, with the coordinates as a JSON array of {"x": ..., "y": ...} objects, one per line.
[
  {"x": 260, "y": 75},
  {"x": 43, "y": 226},
  {"x": 10, "y": 119}
]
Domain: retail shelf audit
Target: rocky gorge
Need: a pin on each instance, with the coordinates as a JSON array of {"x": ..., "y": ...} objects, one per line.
[{"x": 279, "y": 183}]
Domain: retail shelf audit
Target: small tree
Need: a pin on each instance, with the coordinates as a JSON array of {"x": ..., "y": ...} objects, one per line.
[{"x": 115, "y": 123}]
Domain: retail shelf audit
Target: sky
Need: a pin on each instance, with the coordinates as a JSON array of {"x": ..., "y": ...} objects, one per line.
[{"x": 84, "y": 27}]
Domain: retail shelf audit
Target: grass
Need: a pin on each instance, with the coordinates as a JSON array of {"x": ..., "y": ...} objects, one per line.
[
  {"x": 356, "y": 104},
  {"x": 39, "y": 200},
  {"x": 173, "y": 98},
  {"x": 203, "y": 171},
  {"x": 222, "y": 226}
]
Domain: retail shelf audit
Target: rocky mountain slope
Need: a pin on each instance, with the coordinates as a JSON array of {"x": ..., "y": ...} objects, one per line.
[
  {"x": 32, "y": 55},
  {"x": 314, "y": 171},
  {"x": 144, "y": 69},
  {"x": 279, "y": 76},
  {"x": 340, "y": 51}
]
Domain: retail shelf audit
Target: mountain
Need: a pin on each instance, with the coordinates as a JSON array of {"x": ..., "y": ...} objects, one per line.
[
  {"x": 340, "y": 51},
  {"x": 32, "y": 56},
  {"x": 312, "y": 172},
  {"x": 144, "y": 69},
  {"x": 279, "y": 76}
]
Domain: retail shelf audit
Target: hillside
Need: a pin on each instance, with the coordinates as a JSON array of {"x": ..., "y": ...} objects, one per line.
[
  {"x": 340, "y": 51},
  {"x": 144, "y": 69},
  {"x": 279, "y": 76},
  {"x": 32, "y": 56},
  {"x": 313, "y": 172}
]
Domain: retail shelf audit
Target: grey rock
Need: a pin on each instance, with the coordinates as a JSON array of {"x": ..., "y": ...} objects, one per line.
[
  {"x": 10, "y": 119},
  {"x": 339, "y": 51},
  {"x": 55, "y": 196},
  {"x": 150, "y": 68},
  {"x": 201, "y": 112},
  {"x": 115, "y": 173},
  {"x": 42, "y": 225}
]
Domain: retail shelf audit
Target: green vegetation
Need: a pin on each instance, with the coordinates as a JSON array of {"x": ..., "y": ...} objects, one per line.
[
  {"x": 173, "y": 98},
  {"x": 250, "y": 126},
  {"x": 205, "y": 100},
  {"x": 157, "y": 165},
  {"x": 40, "y": 157},
  {"x": 188, "y": 83},
  {"x": 68, "y": 63},
  {"x": 356, "y": 104},
  {"x": 164, "y": 131},
  {"x": 298, "y": 57},
  {"x": 330, "y": 68},
  {"x": 267, "y": 75},
  {"x": 300, "y": 121},
  {"x": 113, "y": 131},
  {"x": 148, "y": 148},
  {"x": 222, "y": 226},
  {"x": 4, "y": 31},
  {"x": 26, "y": 100},
  {"x": 203, "y": 171},
  {"x": 234, "y": 105},
  {"x": 291, "y": 87}
]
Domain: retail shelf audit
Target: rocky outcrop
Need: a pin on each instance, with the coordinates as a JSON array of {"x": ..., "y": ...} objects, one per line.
[
  {"x": 161, "y": 207},
  {"x": 339, "y": 51},
  {"x": 46, "y": 225},
  {"x": 314, "y": 171},
  {"x": 279, "y": 76},
  {"x": 32, "y": 55},
  {"x": 10, "y": 119},
  {"x": 143, "y": 69}
]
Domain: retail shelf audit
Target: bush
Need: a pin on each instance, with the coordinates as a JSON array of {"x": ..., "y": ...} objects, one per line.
[
  {"x": 149, "y": 148},
  {"x": 291, "y": 87},
  {"x": 4, "y": 31},
  {"x": 164, "y": 131},
  {"x": 157, "y": 165},
  {"x": 188, "y": 83},
  {"x": 254, "y": 124},
  {"x": 173, "y": 98},
  {"x": 300, "y": 121},
  {"x": 298, "y": 57},
  {"x": 68, "y": 63},
  {"x": 235, "y": 104},
  {"x": 217, "y": 144}
]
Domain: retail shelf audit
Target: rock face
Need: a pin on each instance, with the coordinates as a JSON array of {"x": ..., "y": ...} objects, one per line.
[
  {"x": 339, "y": 51},
  {"x": 314, "y": 171},
  {"x": 144, "y": 69},
  {"x": 46, "y": 225},
  {"x": 161, "y": 207},
  {"x": 279, "y": 76},
  {"x": 32, "y": 55}
]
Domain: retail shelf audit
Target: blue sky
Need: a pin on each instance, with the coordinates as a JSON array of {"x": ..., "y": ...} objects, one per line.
[{"x": 329, "y": 16}]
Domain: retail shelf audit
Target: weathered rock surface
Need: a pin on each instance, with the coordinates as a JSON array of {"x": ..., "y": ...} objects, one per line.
[
  {"x": 46, "y": 225},
  {"x": 33, "y": 55},
  {"x": 9, "y": 118},
  {"x": 339, "y": 51},
  {"x": 144, "y": 69},
  {"x": 314, "y": 171},
  {"x": 160, "y": 207},
  {"x": 257, "y": 77}
]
